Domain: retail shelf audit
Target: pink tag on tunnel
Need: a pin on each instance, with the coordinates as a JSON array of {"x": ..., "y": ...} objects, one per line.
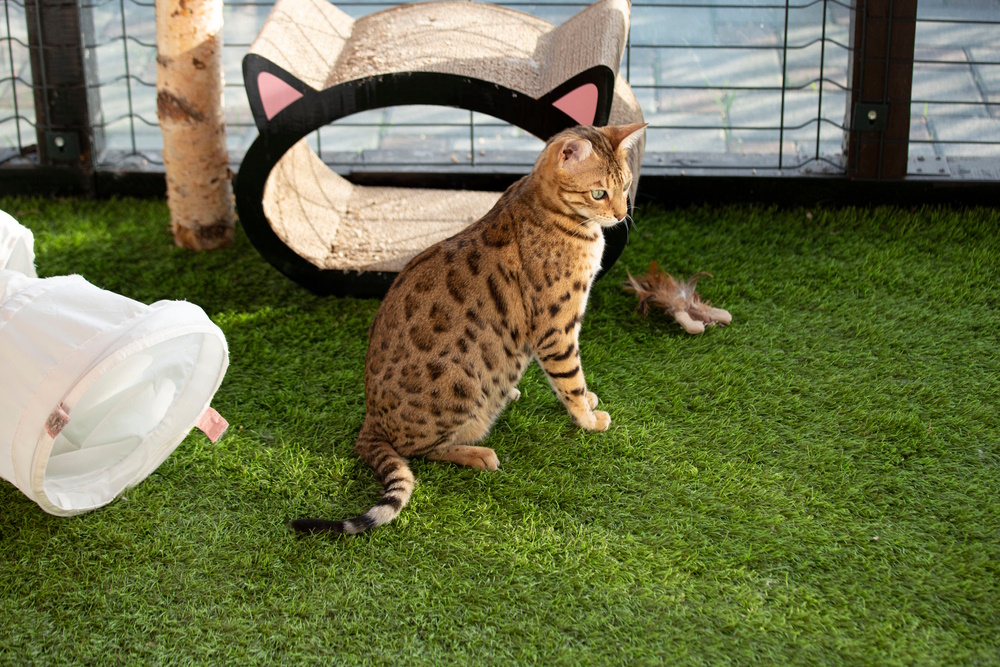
[
  {"x": 57, "y": 421},
  {"x": 212, "y": 424}
]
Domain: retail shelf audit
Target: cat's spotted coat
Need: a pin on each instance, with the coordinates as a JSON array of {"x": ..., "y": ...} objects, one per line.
[{"x": 462, "y": 321}]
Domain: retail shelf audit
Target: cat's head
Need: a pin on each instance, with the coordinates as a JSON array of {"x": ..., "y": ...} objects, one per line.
[{"x": 587, "y": 170}]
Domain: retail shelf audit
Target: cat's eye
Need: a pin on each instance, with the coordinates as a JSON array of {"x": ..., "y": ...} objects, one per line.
[
  {"x": 628, "y": 186},
  {"x": 598, "y": 194}
]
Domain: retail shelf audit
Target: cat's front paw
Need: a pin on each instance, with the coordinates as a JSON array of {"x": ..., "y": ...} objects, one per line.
[
  {"x": 591, "y": 399},
  {"x": 513, "y": 394},
  {"x": 602, "y": 420},
  {"x": 598, "y": 420}
]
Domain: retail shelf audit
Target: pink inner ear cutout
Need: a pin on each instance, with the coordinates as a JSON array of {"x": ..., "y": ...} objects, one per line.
[
  {"x": 579, "y": 104},
  {"x": 275, "y": 94}
]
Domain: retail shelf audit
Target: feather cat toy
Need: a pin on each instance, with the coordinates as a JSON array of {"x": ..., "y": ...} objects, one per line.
[{"x": 679, "y": 300}]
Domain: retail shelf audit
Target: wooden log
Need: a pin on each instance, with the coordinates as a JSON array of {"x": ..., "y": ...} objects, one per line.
[{"x": 189, "y": 106}]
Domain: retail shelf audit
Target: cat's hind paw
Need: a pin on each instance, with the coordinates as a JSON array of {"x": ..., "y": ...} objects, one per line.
[{"x": 482, "y": 458}]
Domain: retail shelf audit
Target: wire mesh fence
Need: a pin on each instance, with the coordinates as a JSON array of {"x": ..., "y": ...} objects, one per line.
[
  {"x": 17, "y": 111},
  {"x": 727, "y": 86},
  {"x": 955, "y": 101}
]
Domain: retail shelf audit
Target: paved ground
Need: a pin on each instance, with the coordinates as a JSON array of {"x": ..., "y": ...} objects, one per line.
[{"x": 709, "y": 79}]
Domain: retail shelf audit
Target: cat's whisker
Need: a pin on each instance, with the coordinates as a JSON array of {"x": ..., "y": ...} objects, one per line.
[{"x": 583, "y": 224}]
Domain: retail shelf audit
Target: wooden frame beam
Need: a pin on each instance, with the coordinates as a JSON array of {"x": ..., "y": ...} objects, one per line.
[
  {"x": 880, "y": 74},
  {"x": 67, "y": 140}
]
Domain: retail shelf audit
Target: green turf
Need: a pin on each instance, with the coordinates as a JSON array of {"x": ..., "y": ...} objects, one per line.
[{"x": 818, "y": 483}]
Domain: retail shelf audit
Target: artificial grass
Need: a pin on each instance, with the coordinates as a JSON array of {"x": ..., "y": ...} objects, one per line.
[{"x": 815, "y": 484}]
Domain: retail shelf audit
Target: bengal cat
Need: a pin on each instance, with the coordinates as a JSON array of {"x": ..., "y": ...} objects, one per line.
[{"x": 462, "y": 321}]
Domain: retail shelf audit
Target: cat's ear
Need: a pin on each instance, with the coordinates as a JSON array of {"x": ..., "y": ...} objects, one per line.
[
  {"x": 270, "y": 89},
  {"x": 624, "y": 137},
  {"x": 573, "y": 152}
]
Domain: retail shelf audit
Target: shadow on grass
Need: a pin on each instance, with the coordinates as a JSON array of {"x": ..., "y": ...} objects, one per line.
[{"x": 134, "y": 255}]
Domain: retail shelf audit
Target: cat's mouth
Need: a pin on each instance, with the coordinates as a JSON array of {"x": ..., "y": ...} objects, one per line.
[
  {"x": 603, "y": 221},
  {"x": 608, "y": 222}
]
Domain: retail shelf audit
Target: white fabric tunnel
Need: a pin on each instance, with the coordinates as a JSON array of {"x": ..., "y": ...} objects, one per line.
[
  {"x": 96, "y": 389},
  {"x": 17, "y": 246}
]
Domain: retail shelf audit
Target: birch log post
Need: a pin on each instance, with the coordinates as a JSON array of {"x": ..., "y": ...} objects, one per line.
[{"x": 189, "y": 87}]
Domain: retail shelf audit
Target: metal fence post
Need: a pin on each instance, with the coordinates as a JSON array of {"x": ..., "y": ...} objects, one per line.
[
  {"x": 67, "y": 144},
  {"x": 880, "y": 73}
]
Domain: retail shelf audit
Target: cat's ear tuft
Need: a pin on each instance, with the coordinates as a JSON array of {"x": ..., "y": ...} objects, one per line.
[
  {"x": 624, "y": 137},
  {"x": 574, "y": 151}
]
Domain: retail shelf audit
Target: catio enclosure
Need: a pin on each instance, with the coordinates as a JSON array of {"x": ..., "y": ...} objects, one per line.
[{"x": 827, "y": 92}]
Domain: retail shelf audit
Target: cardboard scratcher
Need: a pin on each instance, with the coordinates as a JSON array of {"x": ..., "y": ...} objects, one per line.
[{"x": 312, "y": 64}]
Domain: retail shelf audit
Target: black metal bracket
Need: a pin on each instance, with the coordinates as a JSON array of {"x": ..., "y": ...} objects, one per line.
[
  {"x": 62, "y": 146},
  {"x": 870, "y": 117}
]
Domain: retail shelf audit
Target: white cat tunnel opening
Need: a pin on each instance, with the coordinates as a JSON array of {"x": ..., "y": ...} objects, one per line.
[
  {"x": 312, "y": 64},
  {"x": 98, "y": 389}
]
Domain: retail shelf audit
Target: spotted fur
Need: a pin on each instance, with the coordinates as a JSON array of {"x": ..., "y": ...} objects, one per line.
[{"x": 462, "y": 321}]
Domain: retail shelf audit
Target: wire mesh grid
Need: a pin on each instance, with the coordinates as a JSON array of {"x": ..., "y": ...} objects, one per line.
[
  {"x": 955, "y": 100},
  {"x": 745, "y": 85},
  {"x": 17, "y": 111}
]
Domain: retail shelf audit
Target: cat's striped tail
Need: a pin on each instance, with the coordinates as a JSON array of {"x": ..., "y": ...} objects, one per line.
[{"x": 396, "y": 477}]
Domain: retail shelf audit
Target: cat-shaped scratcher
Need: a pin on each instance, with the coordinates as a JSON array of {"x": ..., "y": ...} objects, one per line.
[{"x": 312, "y": 64}]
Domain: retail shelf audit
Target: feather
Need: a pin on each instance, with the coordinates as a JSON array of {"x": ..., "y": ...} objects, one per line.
[{"x": 678, "y": 299}]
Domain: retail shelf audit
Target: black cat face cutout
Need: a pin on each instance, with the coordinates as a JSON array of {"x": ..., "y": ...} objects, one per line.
[
  {"x": 280, "y": 167},
  {"x": 584, "y": 99}
]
